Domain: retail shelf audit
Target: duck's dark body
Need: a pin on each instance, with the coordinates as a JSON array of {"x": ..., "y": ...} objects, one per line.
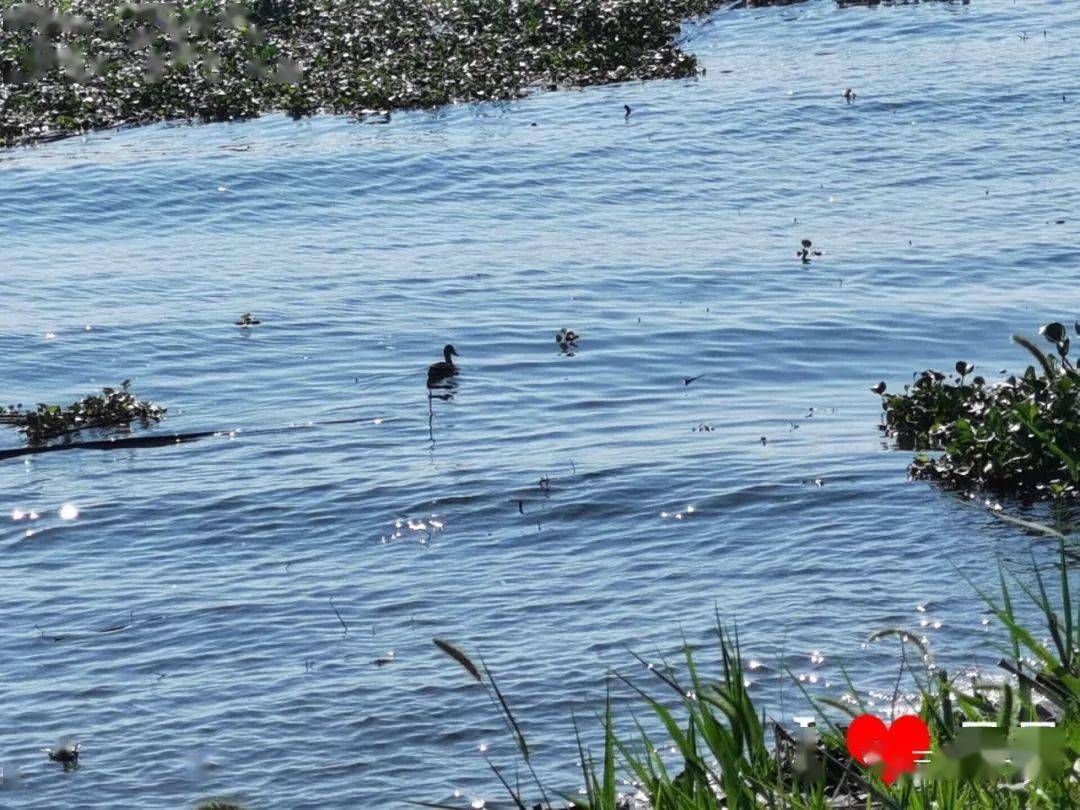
[
  {"x": 438, "y": 372},
  {"x": 67, "y": 755}
]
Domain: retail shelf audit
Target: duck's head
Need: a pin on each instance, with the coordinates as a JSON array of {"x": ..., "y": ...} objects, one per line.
[
  {"x": 560, "y": 337},
  {"x": 447, "y": 351}
]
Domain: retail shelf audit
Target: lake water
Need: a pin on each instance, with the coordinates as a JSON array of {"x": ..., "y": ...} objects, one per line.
[{"x": 668, "y": 241}]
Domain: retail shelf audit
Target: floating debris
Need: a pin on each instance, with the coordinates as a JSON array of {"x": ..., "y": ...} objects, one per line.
[{"x": 113, "y": 408}]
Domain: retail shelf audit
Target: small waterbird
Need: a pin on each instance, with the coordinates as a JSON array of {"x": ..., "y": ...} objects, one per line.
[
  {"x": 247, "y": 320},
  {"x": 806, "y": 252},
  {"x": 437, "y": 372},
  {"x": 849, "y": 95},
  {"x": 626, "y": 107},
  {"x": 67, "y": 754},
  {"x": 567, "y": 340}
]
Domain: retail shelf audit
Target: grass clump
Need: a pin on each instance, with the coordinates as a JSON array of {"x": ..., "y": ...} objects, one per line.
[
  {"x": 1018, "y": 437},
  {"x": 112, "y": 408},
  {"x": 69, "y": 66},
  {"x": 727, "y": 754}
]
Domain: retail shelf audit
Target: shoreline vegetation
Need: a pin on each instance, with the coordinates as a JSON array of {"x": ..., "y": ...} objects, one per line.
[
  {"x": 717, "y": 750},
  {"x": 71, "y": 66},
  {"x": 68, "y": 67}
]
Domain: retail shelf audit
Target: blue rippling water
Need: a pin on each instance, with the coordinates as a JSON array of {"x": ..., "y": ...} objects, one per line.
[{"x": 668, "y": 241}]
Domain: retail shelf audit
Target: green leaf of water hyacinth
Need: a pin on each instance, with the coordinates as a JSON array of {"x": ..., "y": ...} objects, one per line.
[
  {"x": 110, "y": 410},
  {"x": 1054, "y": 332}
]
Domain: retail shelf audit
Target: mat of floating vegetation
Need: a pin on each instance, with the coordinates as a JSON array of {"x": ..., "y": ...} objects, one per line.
[
  {"x": 73, "y": 65},
  {"x": 112, "y": 408},
  {"x": 1018, "y": 437}
]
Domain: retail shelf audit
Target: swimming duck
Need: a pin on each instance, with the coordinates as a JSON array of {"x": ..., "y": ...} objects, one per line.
[
  {"x": 437, "y": 372},
  {"x": 247, "y": 320},
  {"x": 849, "y": 95},
  {"x": 806, "y": 252},
  {"x": 567, "y": 338},
  {"x": 67, "y": 755}
]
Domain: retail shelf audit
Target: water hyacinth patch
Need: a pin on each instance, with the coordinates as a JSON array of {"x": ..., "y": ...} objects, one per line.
[
  {"x": 70, "y": 66},
  {"x": 1017, "y": 437},
  {"x": 112, "y": 408}
]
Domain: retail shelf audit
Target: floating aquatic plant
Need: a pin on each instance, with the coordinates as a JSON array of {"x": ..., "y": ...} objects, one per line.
[
  {"x": 69, "y": 66},
  {"x": 1018, "y": 436},
  {"x": 112, "y": 408}
]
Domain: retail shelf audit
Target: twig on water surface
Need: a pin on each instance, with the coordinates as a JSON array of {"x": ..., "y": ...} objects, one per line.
[
  {"x": 345, "y": 626},
  {"x": 48, "y": 638},
  {"x": 115, "y": 628}
]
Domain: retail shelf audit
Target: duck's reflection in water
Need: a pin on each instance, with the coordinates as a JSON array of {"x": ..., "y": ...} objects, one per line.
[{"x": 443, "y": 390}]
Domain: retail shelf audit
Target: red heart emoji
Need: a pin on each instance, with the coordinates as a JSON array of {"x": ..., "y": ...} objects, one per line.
[{"x": 870, "y": 742}]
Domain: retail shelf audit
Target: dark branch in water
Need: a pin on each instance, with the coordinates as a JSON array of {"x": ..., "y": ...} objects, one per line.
[
  {"x": 108, "y": 444},
  {"x": 334, "y": 607},
  {"x": 132, "y": 442}
]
